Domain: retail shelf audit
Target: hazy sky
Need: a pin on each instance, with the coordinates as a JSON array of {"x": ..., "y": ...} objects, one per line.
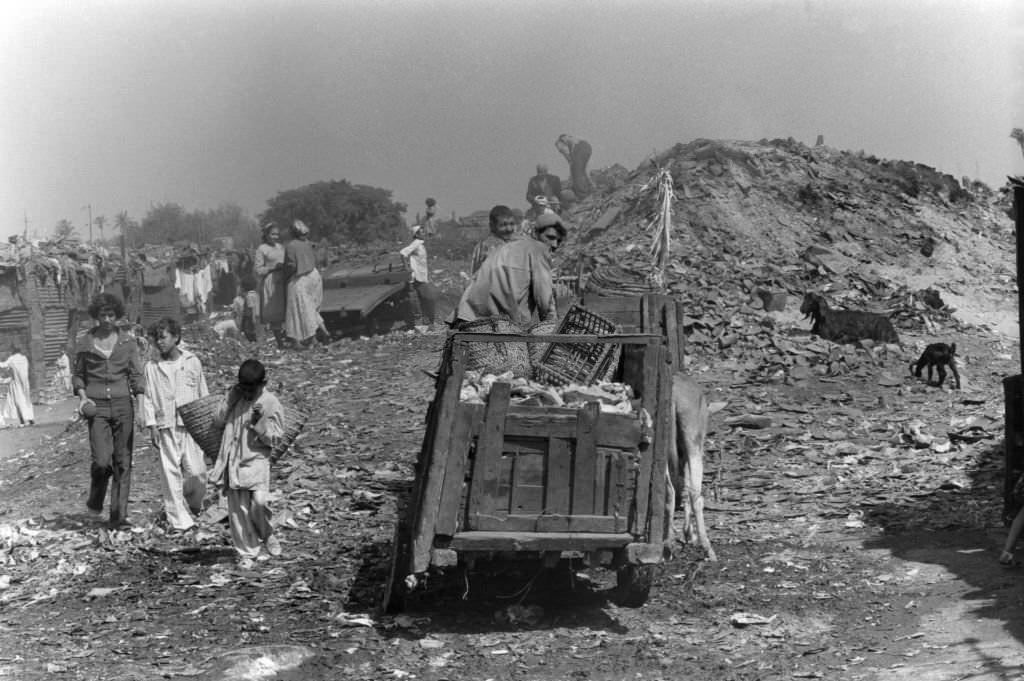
[{"x": 123, "y": 104}]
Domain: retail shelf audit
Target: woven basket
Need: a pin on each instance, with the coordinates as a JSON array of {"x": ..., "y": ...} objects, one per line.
[
  {"x": 197, "y": 416},
  {"x": 198, "y": 419},
  {"x": 496, "y": 358}
]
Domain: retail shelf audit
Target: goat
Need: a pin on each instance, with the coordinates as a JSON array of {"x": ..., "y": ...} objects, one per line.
[
  {"x": 937, "y": 355},
  {"x": 846, "y": 326},
  {"x": 690, "y": 427}
]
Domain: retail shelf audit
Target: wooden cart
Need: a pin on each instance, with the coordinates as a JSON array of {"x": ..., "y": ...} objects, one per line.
[{"x": 546, "y": 482}]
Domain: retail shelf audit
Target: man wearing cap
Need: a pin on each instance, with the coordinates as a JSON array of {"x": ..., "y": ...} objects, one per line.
[
  {"x": 516, "y": 280},
  {"x": 504, "y": 224},
  {"x": 415, "y": 256}
]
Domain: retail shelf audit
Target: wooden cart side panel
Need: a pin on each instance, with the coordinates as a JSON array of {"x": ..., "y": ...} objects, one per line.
[
  {"x": 558, "y": 476},
  {"x": 623, "y": 311},
  {"x": 584, "y": 468},
  {"x": 675, "y": 348},
  {"x": 662, "y": 441},
  {"x": 649, "y": 400},
  {"x": 548, "y": 523},
  {"x": 434, "y": 462},
  {"x": 486, "y": 475},
  {"x": 455, "y": 474}
]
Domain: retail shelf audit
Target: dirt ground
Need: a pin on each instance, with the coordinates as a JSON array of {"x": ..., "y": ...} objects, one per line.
[{"x": 857, "y": 538}]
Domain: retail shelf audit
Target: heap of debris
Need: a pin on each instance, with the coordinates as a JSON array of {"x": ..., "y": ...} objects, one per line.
[{"x": 757, "y": 224}]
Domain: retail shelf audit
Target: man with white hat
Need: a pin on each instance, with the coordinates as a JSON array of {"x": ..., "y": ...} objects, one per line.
[{"x": 415, "y": 256}]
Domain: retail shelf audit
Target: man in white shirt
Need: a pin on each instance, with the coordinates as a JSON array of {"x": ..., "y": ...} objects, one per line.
[
  {"x": 174, "y": 379},
  {"x": 415, "y": 255}
]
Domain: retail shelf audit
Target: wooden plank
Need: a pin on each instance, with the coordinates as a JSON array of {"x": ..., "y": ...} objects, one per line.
[
  {"x": 569, "y": 339},
  {"x": 662, "y": 441},
  {"x": 527, "y": 493},
  {"x": 455, "y": 473},
  {"x": 680, "y": 335},
  {"x": 434, "y": 456},
  {"x": 618, "y": 494},
  {"x": 540, "y": 541},
  {"x": 675, "y": 352},
  {"x": 621, "y": 431},
  {"x": 606, "y": 304},
  {"x": 558, "y": 476},
  {"x": 486, "y": 479},
  {"x": 584, "y": 468},
  {"x": 544, "y": 523},
  {"x": 649, "y": 377},
  {"x": 600, "y": 480}
]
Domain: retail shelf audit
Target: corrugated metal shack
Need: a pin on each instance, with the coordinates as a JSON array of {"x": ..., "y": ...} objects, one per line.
[{"x": 41, "y": 302}]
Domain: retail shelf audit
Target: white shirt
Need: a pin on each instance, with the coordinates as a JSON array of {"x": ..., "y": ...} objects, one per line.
[
  {"x": 416, "y": 255},
  {"x": 170, "y": 383}
]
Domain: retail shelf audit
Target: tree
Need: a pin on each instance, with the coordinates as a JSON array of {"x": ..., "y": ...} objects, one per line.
[
  {"x": 100, "y": 221},
  {"x": 163, "y": 224},
  {"x": 169, "y": 223},
  {"x": 128, "y": 227},
  {"x": 339, "y": 211},
  {"x": 64, "y": 230}
]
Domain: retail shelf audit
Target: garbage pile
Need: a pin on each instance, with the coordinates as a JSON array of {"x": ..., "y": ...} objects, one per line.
[
  {"x": 757, "y": 224},
  {"x": 614, "y": 398}
]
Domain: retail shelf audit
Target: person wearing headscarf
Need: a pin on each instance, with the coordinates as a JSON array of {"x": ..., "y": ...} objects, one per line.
[
  {"x": 305, "y": 294},
  {"x": 268, "y": 265}
]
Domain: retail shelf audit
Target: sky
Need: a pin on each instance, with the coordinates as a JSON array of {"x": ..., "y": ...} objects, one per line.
[{"x": 119, "y": 105}]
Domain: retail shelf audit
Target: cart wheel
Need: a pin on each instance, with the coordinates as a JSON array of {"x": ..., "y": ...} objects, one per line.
[{"x": 633, "y": 585}]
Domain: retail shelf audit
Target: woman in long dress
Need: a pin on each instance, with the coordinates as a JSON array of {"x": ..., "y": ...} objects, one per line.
[
  {"x": 268, "y": 264},
  {"x": 305, "y": 289}
]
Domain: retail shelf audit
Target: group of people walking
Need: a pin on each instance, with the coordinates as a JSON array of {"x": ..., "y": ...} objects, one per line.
[
  {"x": 113, "y": 383},
  {"x": 290, "y": 287},
  {"x": 117, "y": 381}
]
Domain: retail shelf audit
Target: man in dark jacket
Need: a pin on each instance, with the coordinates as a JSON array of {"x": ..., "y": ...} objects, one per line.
[{"x": 545, "y": 185}]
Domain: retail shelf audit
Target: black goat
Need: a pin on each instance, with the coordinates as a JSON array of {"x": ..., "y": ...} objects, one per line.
[
  {"x": 846, "y": 326},
  {"x": 937, "y": 355}
]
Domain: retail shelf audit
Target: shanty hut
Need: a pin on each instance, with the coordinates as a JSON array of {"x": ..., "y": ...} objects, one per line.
[{"x": 41, "y": 299}]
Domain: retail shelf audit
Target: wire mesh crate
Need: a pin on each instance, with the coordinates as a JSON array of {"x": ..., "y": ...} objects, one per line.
[{"x": 584, "y": 363}]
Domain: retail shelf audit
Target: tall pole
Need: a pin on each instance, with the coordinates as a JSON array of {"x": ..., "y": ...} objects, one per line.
[{"x": 90, "y": 224}]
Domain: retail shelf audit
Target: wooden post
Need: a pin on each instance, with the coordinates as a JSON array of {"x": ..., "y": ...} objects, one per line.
[
  {"x": 1013, "y": 386},
  {"x": 1018, "y": 211}
]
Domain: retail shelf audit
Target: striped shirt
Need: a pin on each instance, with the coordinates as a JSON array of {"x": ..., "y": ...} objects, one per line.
[{"x": 170, "y": 384}]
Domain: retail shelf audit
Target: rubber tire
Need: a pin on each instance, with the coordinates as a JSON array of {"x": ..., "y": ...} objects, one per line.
[{"x": 633, "y": 585}]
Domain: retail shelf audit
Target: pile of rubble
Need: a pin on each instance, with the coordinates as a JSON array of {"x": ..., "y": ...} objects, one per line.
[{"x": 757, "y": 224}]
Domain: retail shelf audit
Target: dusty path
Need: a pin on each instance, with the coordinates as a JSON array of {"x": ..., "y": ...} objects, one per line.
[{"x": 865, "y": 558}]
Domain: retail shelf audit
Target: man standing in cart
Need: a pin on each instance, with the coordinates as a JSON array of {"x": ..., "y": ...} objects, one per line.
[{"x": 515, "y": 281}]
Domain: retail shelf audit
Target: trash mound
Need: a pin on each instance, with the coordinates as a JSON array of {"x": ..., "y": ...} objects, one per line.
[{"x": 757, "y": 224}]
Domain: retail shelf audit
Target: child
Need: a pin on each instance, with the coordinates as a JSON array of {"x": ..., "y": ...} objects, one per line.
[
  {"x": 246, "y": 308},
  {"x": 253, "y": 424},
  {"x": 174, "y": 379}
]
